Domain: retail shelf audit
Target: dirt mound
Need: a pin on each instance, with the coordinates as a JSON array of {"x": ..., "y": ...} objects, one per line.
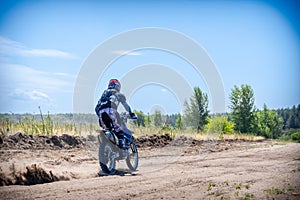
[
  {"x": 183, "y": 140},
  {"x": 153, "y": 141},
  {"x": 33, "y": 175},
  {"x": 20, "y": 141},
  {"x": 25, "y": 141}
]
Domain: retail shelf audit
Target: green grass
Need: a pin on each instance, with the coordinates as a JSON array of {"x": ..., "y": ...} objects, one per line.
[
  {"x": 247, "y": 186},
  {"x": 248, "y": 196},
  {"x": 238, "y": 186},
  {"x": 226, "y": 183},
  {"x": 210, "y": 186},
  {"x": 236, "y": 193},
  {"x": 274, "y": 191}
]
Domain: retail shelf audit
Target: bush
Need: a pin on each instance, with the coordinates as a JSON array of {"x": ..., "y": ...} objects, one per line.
[
  {"x": 220, "y": 125},
  {"x": 296, "y": 136},
  {"x": 285, "y": 137}
]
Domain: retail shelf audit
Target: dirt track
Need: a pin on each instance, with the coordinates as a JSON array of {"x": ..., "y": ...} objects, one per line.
[{"x": 182, "y": 169}]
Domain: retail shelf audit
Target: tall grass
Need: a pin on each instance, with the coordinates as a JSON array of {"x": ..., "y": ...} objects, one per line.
[
  {"x": 86, "y": 125},
  {"x": 45, "y": 125}
]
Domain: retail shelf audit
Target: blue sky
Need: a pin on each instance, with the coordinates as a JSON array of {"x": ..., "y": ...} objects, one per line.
[{"x": 43, "y": 45}]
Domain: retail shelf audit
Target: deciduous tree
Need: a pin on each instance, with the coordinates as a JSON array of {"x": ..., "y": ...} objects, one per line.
[
  {"x": 268, "y": 123},
  {"x": 242, "y": 108}
]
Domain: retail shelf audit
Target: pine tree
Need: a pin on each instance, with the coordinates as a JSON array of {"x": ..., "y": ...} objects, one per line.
[
  {"x": 157, "y": 118},
  {"x": 196, "y": 110},
  {"x": 178, "y": 125}
]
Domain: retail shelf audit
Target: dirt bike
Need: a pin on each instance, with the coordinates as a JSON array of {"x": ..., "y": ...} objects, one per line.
[{"x": 110, "y": 150}]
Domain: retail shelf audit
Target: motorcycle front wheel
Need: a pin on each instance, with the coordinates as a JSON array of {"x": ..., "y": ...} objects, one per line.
[
  {"x": 132, "y": 159},
  {"x": 106, "y": 158}
]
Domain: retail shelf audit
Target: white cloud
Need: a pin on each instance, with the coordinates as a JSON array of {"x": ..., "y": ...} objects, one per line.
[
  {"x": 31, "y": 95},
  {"x": 124, "y": 52},
  {"x": 36, "y": 95},
  {"x": 20, "y": 76},
  {"x": 26, "y": 100},
  {"x": 164, "y": 90},
  {"x": 10, "y": 47},
  {"x": 48, "y": 53}
]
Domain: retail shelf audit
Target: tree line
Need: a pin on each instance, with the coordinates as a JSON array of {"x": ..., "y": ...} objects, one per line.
[
  {"x": 244, "y": 117},
  {"x": 290, "y": 117}
]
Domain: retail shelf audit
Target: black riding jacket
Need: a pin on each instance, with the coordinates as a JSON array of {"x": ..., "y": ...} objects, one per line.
[{"x": 111, "y": 98}]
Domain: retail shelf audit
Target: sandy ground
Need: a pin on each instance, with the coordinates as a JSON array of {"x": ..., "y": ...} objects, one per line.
[{"x": 210, "y": 170}]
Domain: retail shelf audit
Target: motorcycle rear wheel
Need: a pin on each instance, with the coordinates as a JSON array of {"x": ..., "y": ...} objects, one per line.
[{"x": 106, "y": 160}]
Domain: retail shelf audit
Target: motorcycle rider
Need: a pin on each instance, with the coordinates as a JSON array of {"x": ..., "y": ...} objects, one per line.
[{"x": 106, "y": 109}]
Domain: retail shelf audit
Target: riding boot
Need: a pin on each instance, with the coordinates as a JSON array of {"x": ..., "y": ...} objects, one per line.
[{"x": 122, "y": 143}]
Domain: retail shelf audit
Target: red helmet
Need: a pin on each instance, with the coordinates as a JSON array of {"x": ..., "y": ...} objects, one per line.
[{"x": 114, "y": 84}]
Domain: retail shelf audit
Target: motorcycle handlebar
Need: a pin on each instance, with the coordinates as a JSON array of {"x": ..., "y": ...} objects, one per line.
[{"x": 126, "y": 116}]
